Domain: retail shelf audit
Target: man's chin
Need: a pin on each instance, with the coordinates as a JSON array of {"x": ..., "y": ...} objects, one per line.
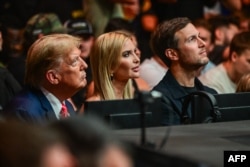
[
  {"x": 205, "y": 61},
  {"x": 83, "y": 84}
]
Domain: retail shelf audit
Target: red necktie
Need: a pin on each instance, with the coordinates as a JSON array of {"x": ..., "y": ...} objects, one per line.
[{"x": 64, "y": 111}]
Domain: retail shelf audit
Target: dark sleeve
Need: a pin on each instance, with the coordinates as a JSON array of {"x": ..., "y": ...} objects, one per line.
[
  {"x": 24, "y": 116},
  {"x": 170, "y": 112},
  {"x": 20, "y": 113}
]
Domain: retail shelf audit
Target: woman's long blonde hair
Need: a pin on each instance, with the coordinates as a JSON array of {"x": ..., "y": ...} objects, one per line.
[
  {"x": 244, "y": 83},
  {"x": 105, "y": 58}
]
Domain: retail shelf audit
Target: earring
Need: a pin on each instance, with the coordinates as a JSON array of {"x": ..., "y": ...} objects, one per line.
[{"x": 111, "y": 76}]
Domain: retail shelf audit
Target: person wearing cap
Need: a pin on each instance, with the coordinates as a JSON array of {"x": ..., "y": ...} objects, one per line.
[
  {"x": 42, "y": 24},
  {"x": 80, "y": 27},
  {"x": 83, "y": 29}
]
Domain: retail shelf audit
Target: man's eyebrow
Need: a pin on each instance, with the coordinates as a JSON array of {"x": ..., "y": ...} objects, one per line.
[
  {"x": 190, "y": 36},
  {"x": 194, "y": 35}
]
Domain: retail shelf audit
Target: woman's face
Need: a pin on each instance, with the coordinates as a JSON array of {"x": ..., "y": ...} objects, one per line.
[{"x": 129, "y": 62}]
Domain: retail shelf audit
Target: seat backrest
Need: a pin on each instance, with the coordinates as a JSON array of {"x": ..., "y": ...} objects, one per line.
[
  {"x": 125, "y": 114},
  {"x": 234, "y": 106},
  {"x": 206, "y": 107}
]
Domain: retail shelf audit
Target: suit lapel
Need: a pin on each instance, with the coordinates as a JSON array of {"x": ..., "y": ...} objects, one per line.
[
  {"x": 49, "y": 113},
  {"x": 70, "y": 108}
]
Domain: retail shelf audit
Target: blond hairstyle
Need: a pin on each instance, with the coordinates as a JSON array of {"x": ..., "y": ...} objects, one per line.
[
  {"x": 105, "y": 58},
  {"x": 47, "y": 53},
  {"x": 244, "y": 83}
]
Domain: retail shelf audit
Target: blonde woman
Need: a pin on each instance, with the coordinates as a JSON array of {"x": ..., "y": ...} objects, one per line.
[{"x": 114, "y": 63}]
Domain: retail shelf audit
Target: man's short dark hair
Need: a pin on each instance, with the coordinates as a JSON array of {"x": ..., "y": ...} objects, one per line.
[{"x": 164, "y": 36}]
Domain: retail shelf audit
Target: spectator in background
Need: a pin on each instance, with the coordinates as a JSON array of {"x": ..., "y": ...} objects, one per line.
[
  {"x": 83, "y": 29},
  {"x": 243, "y": 19},
  {"x": 8, "y": 84},
  {"x": 226, "y": 75},
  {"x": 223, "y": 30},
  {"x": 131, "y": 8},
  {"x": 42, "y": 24},
  {"x": 178, "y": 44},
  {"x": 148, "y": 22},
  {"x": 237, "y": 5},
  {"x": 12, "y": 49},
  {"x": 153, "y": 70},
  {"x": 244, "y": 83},
  {"x": 114, "y": 63},
  {"x": 54, "y": 72},
  {"x": 12, "y": 34}
]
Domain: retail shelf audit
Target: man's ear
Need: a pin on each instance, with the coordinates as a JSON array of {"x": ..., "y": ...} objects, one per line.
[
  {"x": 53, "y": 77},
  {"x": 233, "y": 56},
  {"x": 218, "y": 34},
  {"x": 171, "y": 54}
]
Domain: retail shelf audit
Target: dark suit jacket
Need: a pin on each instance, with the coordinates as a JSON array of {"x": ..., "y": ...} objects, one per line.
[
  {"x": 31, "y": 106},
  {"x": 174, "y": 95}
]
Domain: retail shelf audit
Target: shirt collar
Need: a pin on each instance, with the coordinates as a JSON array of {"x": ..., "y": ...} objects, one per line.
[{"x": 54, "y": 101}]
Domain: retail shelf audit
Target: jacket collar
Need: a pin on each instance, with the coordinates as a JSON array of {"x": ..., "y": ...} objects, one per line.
[
  {"x": 175, "y": 89},
  {"x": 45, "y": 104}
]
